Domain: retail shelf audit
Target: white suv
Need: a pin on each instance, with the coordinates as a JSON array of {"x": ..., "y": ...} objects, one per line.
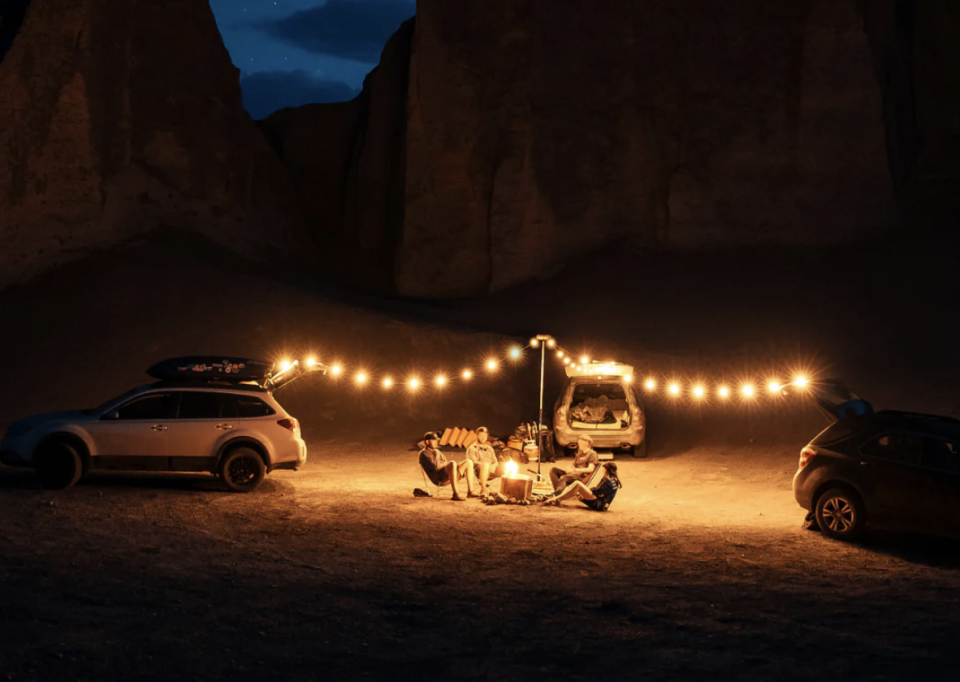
[{"x": 236, "y": 430}]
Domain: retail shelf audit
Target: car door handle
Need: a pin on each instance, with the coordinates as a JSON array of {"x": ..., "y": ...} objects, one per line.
[
  {"x": 158, "y": 427},
  {"x": 224, "y": 427}
]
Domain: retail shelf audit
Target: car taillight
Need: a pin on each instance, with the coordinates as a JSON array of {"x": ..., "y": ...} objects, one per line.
[
  {"x": 806, "y": 455},
  {"x": 289, "y": 423}
]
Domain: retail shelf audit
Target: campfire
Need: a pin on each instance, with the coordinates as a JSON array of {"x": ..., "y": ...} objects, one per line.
[{"x": 515, "y": 488}]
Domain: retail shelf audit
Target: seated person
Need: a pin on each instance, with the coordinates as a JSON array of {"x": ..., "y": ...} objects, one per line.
[
  {"x": 442, "y": 472},
  {"x": 584, "y": 464},
  {"x": 597, "y": 498},
  {"x": 484, "y": 458}
]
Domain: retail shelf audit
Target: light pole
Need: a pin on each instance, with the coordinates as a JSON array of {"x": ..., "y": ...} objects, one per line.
[{"x": 544, "y": 341}]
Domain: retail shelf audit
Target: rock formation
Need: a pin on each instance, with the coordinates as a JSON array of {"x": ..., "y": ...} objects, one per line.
[
  {"x": 118, "y": 117},
  {"x": 537, "y": 130}
]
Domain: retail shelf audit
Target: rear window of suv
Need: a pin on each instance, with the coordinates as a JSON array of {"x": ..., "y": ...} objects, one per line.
[{"x": 245, "y": 407}]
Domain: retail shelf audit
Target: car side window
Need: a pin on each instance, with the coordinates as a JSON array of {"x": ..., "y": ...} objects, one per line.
[
  {"x": 941, "y": 455},
  {"x": 903, "y": 448},
  {"x": 199, "y": 405},
  {"x": 148, "y": 407},
  {"x": 246, "y": 407}
]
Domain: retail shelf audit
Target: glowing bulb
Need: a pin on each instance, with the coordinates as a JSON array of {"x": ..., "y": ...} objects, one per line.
[
  {"x": 285, "y": 365},
  {"x": 441, "y": 380},
  {"x": 560, "y": 354},
  {"x": 650, "y": 384},
  {"x": 723, "y": 392},
  {"x": 801, "y": 381},
  {"x": 361, "y": 378},
  {"x": 566, "y": 361},
  {"x": 747, "y": 390},
  {"x": 584, "y": 359},
  {"x": 551, "y": 342},
  {"x": 467, "y": 374},
  {"x": 698, "y": 391},
  {"x": 388, "y": 382},
  {"x": 414, "y": 384},
  {"x": 628, "y": 378},
  {"x": 534, "y": 343},
  {"x": 674, "y": 389},
  {"x": 514, "y": 353},
  {"x": 492, "y": 365},
  {"x": 336, "y": 370},
  {"x": 311, "y": 362},
  {"x": 773, "y": 386}
]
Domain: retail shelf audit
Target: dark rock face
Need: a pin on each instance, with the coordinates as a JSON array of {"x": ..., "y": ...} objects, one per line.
[
  {"x": 121, "y": 117},
  {"x": 539, "y": 130},
  {"x": 347, "y": 161}
]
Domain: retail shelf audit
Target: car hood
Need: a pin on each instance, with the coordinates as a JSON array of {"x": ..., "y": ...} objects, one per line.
[{"x": 27, "y": 423}]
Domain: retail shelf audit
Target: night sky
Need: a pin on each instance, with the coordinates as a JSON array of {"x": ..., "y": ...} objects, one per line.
[{"x": 294, "y": 52}]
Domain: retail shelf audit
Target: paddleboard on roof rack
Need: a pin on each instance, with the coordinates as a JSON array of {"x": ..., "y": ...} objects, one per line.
[{"x": 211, "y": 368}]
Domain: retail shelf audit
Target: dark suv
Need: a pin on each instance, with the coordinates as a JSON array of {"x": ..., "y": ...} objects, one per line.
[{"x": 892, "y": 469}]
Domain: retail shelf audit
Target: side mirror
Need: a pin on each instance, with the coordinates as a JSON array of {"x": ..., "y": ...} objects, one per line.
[{"x": 110, "y": 416}]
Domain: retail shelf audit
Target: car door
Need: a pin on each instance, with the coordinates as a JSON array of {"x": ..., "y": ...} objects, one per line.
[
  {"x": 197, "y": 430},
  {"x": 940, "y": 460},
  {"x": 892, "y": 479},
  {"x": 134, "y": 435}
]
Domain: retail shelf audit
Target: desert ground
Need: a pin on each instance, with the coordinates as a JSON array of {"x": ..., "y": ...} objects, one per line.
[{"x": 700, "y": 570}]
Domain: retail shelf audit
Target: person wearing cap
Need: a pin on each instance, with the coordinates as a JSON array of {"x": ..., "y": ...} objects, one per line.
[
  {"x": 597, "y": 498},
  {"x": 484, "y": 458},
  {"x": 441, "y": 472},
  {"x": 584, "y": 464}
]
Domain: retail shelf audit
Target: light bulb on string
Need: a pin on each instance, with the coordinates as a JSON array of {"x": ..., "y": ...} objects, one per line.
[
  {"x": 492, "y": 365},
  {"x": 285, "y": 365},
  {"x": 467, "y": 375},
  {"x": 515, "y": 352},
  {"x": 361, "y": 378},
  {"x": 698, "y": 391},
  {"x": 551, "y": 342},
  {"x": 674, "y": 388},
  {"x": 387, "y": 382},
  {"x": 534, "y": 342},
  {"x": 801, "y": 381},
  {"x": 747, "y": 391},
  {"x": 336, "y": 370},
  {"x": 413, "y": 383},
  {"x": 440, "y": 381},
  {"x": 723, "y": 392},
  {"x": 650, "y": 384},
  {"x": 773, "y": 386}
]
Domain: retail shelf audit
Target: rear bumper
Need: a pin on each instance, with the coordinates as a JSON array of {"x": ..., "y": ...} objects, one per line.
[
  {"x": 12, "y": 459},
  {"x": 802, "y": 491},
  {"x": 632, "y": 435},
  {"x": 293, "y": 464}
]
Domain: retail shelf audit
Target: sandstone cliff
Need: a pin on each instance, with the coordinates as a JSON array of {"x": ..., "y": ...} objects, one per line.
[
  {"x": 118, "y": 117},
  {"x": 536, "y": 130}
]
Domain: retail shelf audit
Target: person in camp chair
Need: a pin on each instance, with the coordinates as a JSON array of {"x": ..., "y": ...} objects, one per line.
[
  {"x": 584, "y": 464},
  {"x": 441, "y": 472},
  {"x": 484, "y": 458}
]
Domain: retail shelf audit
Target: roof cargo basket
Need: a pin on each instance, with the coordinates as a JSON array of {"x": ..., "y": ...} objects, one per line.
[{"x": 222, "y": 369}]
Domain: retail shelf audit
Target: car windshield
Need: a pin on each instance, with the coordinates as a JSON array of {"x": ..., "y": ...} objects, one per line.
[{"x": 113, "y": 401}]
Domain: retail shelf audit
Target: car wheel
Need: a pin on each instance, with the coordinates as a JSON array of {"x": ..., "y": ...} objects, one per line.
[
  {"x": 840, "y": 514},
  {"x": 242, "y": 470},
  {"x": 641, "y": 450},
  {"x": 59, "y": 465}
]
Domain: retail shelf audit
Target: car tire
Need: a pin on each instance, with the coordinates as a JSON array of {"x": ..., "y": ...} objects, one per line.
[
  {"x": 59, "y": 465},
  {"x": 640, "y": 451},
  {"x": 242, "y": 470},
  {"x": 840, "y": 514}
]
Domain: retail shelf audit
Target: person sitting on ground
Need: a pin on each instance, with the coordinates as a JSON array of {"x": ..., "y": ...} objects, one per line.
[
  {"x": 441, "y": 472},
  {"x": 597, "y": 498},
  {"x": 484, "y": 458},
  {"x": 584, "y": 464}
]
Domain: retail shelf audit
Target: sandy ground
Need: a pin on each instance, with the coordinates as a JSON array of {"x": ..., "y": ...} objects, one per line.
[{"x": 699, "y": 571}]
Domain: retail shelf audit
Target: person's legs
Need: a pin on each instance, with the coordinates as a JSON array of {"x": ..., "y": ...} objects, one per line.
[
  {"x": 483, "y": 473},
  {"x": 555, "y": 474},
  {"x": 575, "y": 489},
  {"x": 451, "y": 469},
  {"x": 466, "y": 470}
]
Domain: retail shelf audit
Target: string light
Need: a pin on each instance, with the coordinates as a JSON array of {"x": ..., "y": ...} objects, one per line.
[
  {"x": 336, "y": 370},
  {"x": 361, "y": 378},
  {"x": 534, "y": 343},
  {"x": 514, "y": 353},
  {"x": 311, "y": 362},
  {"x": 801, "y": 381},
  {"x": 628, "y": 378},
  {"x": 413, "y": 383},
  {"x": 650, "y": 384},
  {"x": 440, "y": 380},
  {"x": 467, "y": 375},
  {"x": 551, "y": 342},
  {"x": 723, "y": 392},
  {"x": 492, "y": 365},
  {"x": 747, "y": 390},
  {"x": 773, "y": 386},
  {"x": 674, "y": 389},
  {"x": 387, "y": 382},
  {"x": 584, "y": 359},
  {"x": 285, "y": 365},
  {"x": 698, "y": 391},
  {"x": 560, "y": 354}
]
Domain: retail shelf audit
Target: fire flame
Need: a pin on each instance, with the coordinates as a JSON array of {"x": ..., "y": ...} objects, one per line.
[{"x": 511, "y": 469}]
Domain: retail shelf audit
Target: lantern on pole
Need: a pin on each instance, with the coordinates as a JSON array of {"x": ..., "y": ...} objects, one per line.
[{"x": 544, "y": 341}]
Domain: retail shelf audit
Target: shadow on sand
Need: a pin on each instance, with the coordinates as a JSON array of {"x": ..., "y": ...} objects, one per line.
[{"x": 16, "y": 479}]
